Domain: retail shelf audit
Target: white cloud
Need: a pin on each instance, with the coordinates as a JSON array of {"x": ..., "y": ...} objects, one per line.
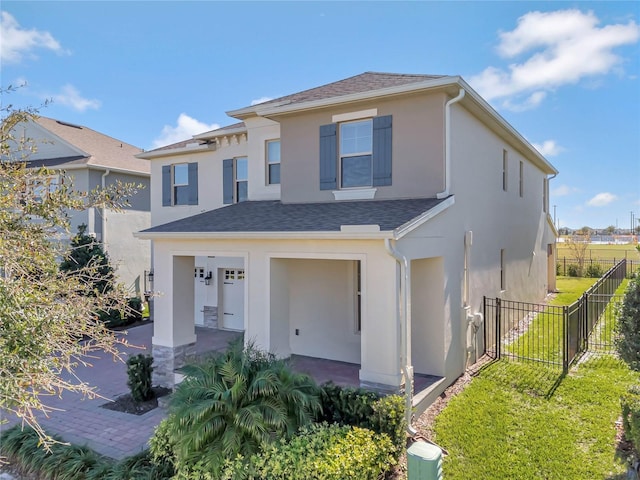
[
  {"x": 602, "y": 199},
  {"x": 260, "y": 100},
  {"x": 548, "y": 148},
  {"x": 563, "y": 191},
  {"x": 70, "y": 97},
  {"x": 18, "y": 42},
  {"x": 561, "y": 47},
  {"x": 185, "y": 128}
]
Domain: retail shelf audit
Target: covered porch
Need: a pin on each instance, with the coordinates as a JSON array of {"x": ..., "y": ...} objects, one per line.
[{"x": 210, "y": 341}]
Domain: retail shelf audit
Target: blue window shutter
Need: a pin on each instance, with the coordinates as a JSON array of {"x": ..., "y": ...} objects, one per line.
[
  {"x": 328, "y": 157},
  {"x": 382, "y": 150},
  {"x": 193, "y": 183},
  {"x": 166, "y": 185},
  {"x": 227, "y": 181}
]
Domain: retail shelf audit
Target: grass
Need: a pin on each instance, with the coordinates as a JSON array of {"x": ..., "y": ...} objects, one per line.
[
  {"x": 605, "y": 252},
  {"x": 513, "y": 423},
  {"x": 523, "y": 421}
]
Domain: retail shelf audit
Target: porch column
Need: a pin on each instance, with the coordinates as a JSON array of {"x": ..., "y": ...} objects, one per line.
[
  {"x": 174, "y": 328},
  {"x": 380, "y": 347}
]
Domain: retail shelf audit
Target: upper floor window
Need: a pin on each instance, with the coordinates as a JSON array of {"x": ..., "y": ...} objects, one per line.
[
  {"x": 521, "y": 188},
  {"x": 235, "y": 180},
  {"x": 40, "y": 187},
  {"x": 180, "y": 184},
  {"x": 356, "y": 147},
  {"x": 273, "y": 162},
  {"x": 356, "y": 153},
  {"x": 505, "y": 170}
]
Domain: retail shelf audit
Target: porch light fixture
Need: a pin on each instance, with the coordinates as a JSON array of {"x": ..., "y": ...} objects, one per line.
[
  {"x": 150, "y": 277},
  {"x": 207, "y": 279}
]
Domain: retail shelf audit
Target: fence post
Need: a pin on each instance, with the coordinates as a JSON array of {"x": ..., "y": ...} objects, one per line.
[
  {"x": 498, "y": 328},
  {"x": 565, "y": 339}
]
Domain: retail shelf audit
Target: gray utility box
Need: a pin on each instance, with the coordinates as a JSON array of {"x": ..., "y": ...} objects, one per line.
[{"x": 424, "y": 462}]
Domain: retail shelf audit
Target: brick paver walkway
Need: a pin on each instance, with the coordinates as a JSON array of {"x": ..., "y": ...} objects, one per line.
[{"x": 83, "y": 422}]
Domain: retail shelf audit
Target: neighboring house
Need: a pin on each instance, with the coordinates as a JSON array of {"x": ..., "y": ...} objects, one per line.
[
  {"x": 361, "y": 221},
  {"x": 91, "y": 159}
]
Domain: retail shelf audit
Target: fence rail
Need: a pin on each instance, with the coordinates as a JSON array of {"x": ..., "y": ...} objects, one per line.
[
  {"x": 564, "y": 264},
  {"x": 554, "y": 335}
]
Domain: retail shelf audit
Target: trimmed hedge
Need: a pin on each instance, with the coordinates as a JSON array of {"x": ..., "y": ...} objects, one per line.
[
  {"x": 321, "y": 451},
  {"x": 363, "y": 408},
  {"x": 22, "y": 447},
  {"x": 631, "y": 416}
]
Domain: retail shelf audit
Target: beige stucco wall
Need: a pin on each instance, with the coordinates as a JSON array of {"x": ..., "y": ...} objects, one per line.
[
  {"x": 418, "y": 148},
  {"x": 130, "y": 256},
  {"x": 274, "y": 259},
  {"x": 251, "y": 145}
]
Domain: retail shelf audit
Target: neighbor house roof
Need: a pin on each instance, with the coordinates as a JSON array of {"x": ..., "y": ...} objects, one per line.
[
  {"x": 272, "y": 216},
  {"x": 91, "y": 148}
]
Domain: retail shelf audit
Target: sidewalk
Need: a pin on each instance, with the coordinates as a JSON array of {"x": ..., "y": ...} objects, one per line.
[{"x": 83, "y": 422}]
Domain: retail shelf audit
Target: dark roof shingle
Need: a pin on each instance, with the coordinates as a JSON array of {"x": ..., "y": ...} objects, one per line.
[
  {"x": 363, "y": 82},
  {"x": 275, "y": 216}
]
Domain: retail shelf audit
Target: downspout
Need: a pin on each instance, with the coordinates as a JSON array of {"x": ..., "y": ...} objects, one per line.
[
  {"x": 104, "y": 211},
  {"x": 404, "y": 320},
  {"x": 447, "y": 144}
]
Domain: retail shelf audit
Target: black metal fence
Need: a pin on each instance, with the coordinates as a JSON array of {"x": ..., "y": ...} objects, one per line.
[
  {"x": 566, "y": 266},
  {"x": 554, "y": 335}
]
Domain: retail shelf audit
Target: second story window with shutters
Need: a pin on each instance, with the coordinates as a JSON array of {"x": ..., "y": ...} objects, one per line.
[
  {"x": 356, "y": 146},
  {"x": 180, "y": 184},
  {"x": 356, "y": 154},
  {"x": 235, "y": 180}
]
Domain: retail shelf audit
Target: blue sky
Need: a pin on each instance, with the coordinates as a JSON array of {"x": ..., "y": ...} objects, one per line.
[{"x": 564, "y": 74}]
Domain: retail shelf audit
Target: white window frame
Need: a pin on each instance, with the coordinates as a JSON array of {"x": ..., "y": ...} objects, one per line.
[
  {"x": 40, "y": 187},
  {"x": 271, "y": 162},
  {"x": 363, "y": 153},
  {"x": 175, "y": 184},
  {"x": 237, "y": 181}
]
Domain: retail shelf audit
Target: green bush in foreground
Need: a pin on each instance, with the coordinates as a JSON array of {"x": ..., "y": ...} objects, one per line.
[
  {"x": 631, "y": 416},
  {"x": 627, "y": 339},
  {"x": 234, "y": 404},
  {"x": 321, "y": 451},
  {"x": 363, "y": 408},
  {"x": 139, "y": 369},
  {"x": 23, "y": 448}
]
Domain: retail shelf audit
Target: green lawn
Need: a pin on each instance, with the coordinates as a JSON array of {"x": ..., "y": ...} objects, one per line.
[
  {"x": 514, "y": 422},
  {"x": 598, "y": 251},
  {"x": 522, "y": 421}
]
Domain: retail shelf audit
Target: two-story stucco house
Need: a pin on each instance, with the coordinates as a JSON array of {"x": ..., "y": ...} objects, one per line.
[
  {"x": 91, "y": 159},
  {"x": 361, "y": 221}
]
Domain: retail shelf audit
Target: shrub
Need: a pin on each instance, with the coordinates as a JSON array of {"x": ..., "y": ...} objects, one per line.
[
  {"x": 558, "y": 268},
  {"x": 627, "y": 339},
  {"x": 347, "y": 405},
  {"x": 594, "y": 271},
  {"x": 234, "y": 404},
  {"x": 573, "y": 270},
  {"x": 321, "y": 451},
  {"x": 363, "y": 408},
  {"x": 630, "y": 403},
  {"x": 72, "y": 462},
  {"x": 139, "y": 372}
]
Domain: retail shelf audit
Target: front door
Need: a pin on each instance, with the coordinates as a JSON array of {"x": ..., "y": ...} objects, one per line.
[
  {"x": 232, "y": 281},
  {"x": 200, "y": 295}
]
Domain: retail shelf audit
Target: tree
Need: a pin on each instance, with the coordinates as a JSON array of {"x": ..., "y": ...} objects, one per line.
[
  {"x": 578, "y": 245},
  {"x": 87, "y": 252},
  {"x": 48, "y": 317},
  {"x": 610, "y": 230}
]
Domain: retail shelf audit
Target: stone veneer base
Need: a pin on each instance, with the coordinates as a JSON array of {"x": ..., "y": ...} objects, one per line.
[{"x": 167, "y": 360}]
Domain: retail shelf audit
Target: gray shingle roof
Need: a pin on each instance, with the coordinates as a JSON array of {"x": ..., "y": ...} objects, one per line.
[
  {"x": 275, "y": 216},
  {"x": 364, "y": 82}
]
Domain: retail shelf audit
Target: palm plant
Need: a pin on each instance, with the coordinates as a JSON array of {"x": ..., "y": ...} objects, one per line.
[{"x": 235, "y": 403}]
